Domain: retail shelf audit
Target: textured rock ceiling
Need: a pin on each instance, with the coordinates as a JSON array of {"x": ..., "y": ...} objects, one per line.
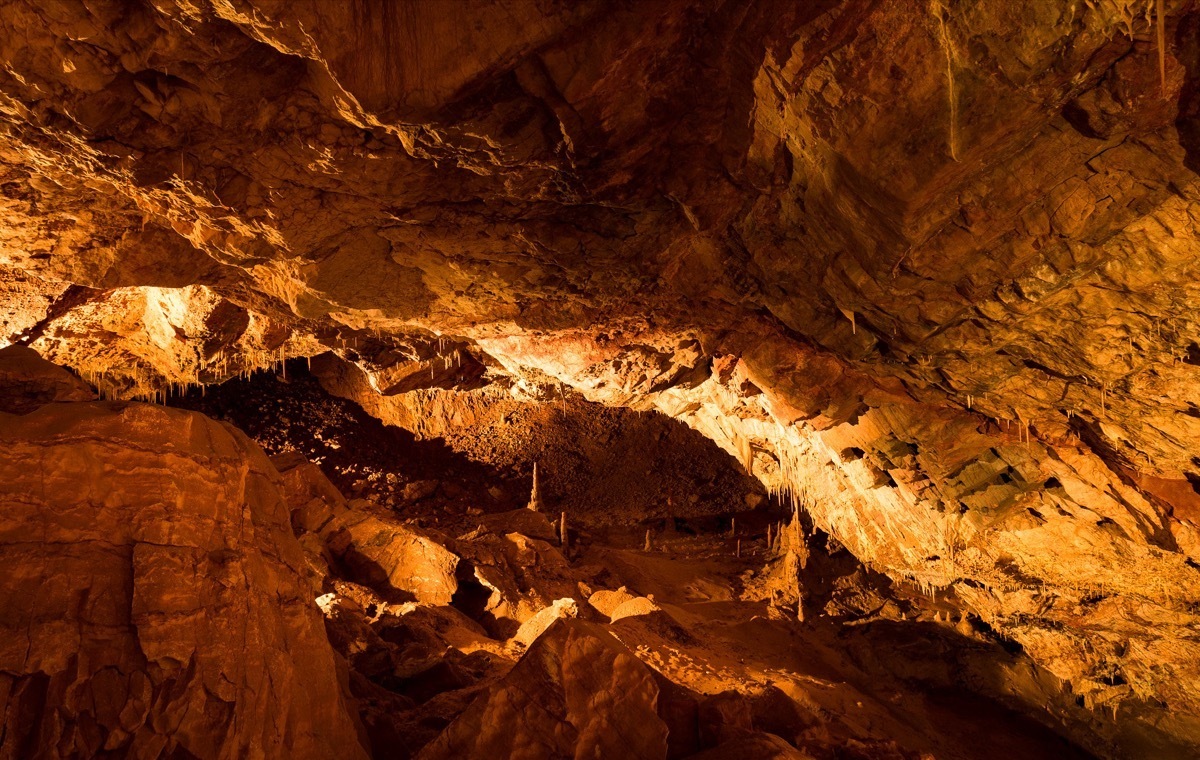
[{"x": 930, "y": 268}]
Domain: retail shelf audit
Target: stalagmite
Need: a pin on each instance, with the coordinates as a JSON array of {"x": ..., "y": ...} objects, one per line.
[
  {"x": 535, "y": 497},
  {"x": 562, "y": 531},
  {"x": 646, "y": 547}
]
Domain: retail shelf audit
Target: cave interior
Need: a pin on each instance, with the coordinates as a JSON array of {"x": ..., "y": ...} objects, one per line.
[{"x": 600, "y": 379}]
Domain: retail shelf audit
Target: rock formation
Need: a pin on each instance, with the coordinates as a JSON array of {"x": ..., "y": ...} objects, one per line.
[
  {"x": 152, "y": 596},
  {"x": 457, "y": 639},
  {"x": 926, "y": 270},
  {"x": 577, "y": 693}
]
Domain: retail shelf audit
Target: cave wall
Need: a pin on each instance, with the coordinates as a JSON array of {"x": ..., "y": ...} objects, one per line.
[{"x": 153, "y": 600}]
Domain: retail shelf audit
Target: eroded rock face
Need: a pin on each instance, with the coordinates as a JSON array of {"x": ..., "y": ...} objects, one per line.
[
  {"x": 928, "y": 267},
  {"x": 153, "y": 600},
  {"x": 577, "y": 692},
  {"x": 27, "y": 381}
]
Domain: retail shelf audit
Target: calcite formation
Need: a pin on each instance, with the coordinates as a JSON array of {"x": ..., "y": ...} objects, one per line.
[{"x": 927, "y": 269}]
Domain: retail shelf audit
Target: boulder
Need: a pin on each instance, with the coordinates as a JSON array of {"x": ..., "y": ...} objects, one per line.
[
  {"x": 515, "y": 577},
  {"x": 606, "y": 601},
  {"x": 311, "y": 497},
  {"x": 527, "y": 522},
  {"x": 635, "y": 607},
  {"x": 537, "y": 625},
  {"x": 577, "y": 693},
  {"x": 400, "y": 562}
]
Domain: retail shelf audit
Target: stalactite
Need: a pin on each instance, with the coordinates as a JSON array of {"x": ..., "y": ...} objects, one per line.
[
  {"x": 849, "y": 314},
  {"x": 940, "y": 11},
  {"x": 1161, "y": 33},
  {"x": 747, "y": 454}
]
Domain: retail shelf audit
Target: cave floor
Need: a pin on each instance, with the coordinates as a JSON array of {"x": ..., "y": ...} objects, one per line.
[{"x": 875, "y": 669}]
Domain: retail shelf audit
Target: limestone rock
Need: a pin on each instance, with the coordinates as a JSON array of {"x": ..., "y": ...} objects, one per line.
[
  {"x": 760, "y": 746},
  {"x": 634, "y": 608},
  {"x": 152, "y": 596},
  {"x": 28, "y": 381},
  {"x": 927, "y": 267},
  {"x": 535, "y": 626},
  {"x": 526, "y": 522},
  {"x": 577, "y": 692},
  {"x": 518, "y": 577},
  {"x": 606, "y": 601},
  {"x": 724, "y": 718},
  {"x": 421, "y": 489},
  {"x": 314, "y": 501},
  {"x": 400, "y": 562}
]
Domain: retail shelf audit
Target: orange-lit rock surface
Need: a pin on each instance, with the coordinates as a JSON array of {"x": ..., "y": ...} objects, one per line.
[
  {"x": 577, "y": 692},
  {"x": 739, "y": 631},
  {"x": 27, "y": 381},
  {"x": 927, "y": 268},
  {"x": 152, "y": 602}
]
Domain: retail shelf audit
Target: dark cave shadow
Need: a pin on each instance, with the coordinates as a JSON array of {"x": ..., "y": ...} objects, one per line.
[
  {"x": 1187, "y": 121},
  {"x": 290, "y": 411},
  {"x": 970, "y": 679}
]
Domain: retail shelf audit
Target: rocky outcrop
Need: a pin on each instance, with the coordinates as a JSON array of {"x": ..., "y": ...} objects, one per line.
[
  {"x": 153, "y": 601},
  {"x": 27, "y": 381},
  {"x": 577, "y": 692}
]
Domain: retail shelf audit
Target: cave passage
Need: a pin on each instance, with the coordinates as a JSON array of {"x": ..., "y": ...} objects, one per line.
[{"x": 630, "y": 379}]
